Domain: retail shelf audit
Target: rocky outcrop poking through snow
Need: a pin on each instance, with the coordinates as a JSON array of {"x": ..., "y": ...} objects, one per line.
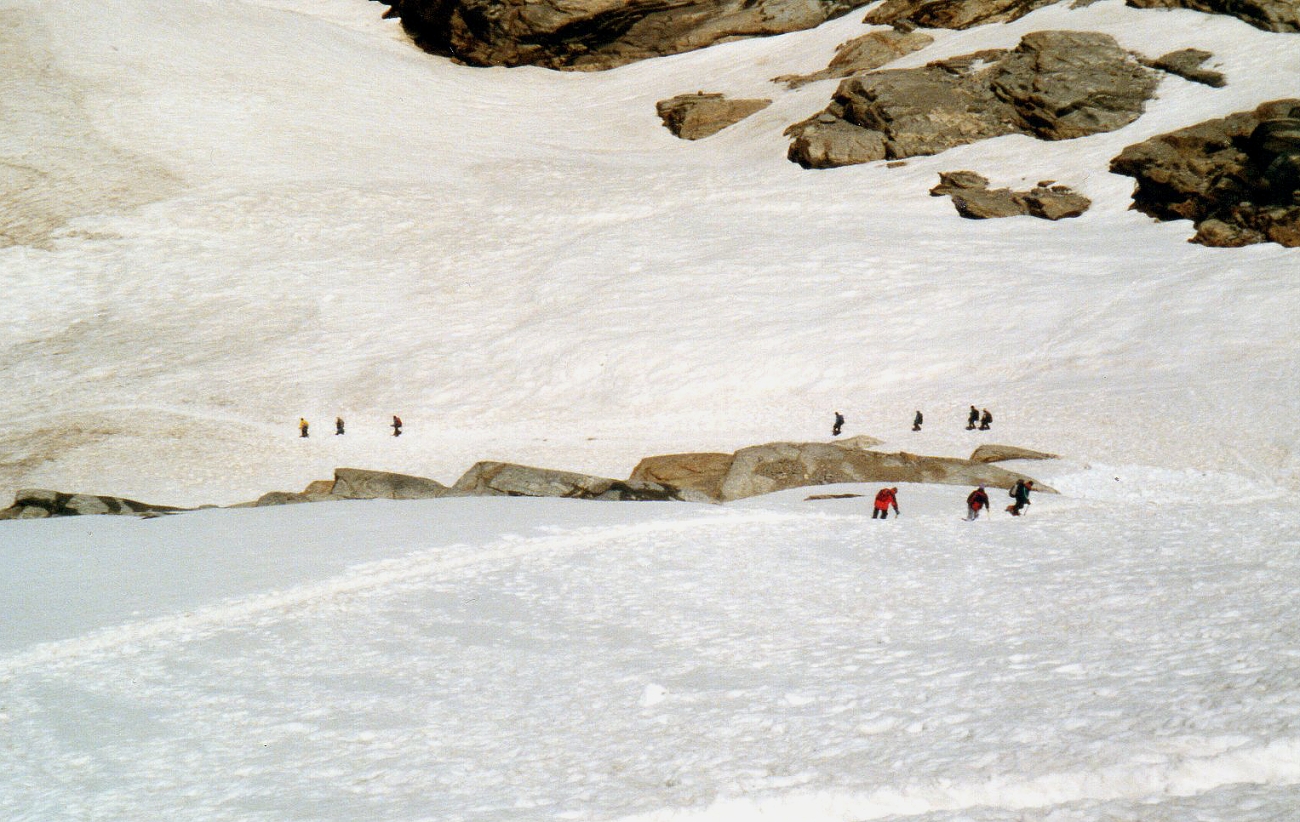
[
  {"x": 1186, "y": 63},
  {"x": 357, "y": 483},
  {"x": 1003, "y": 453},
  {"x": 597, "y": 34},
  {"x": 975, "y": 200},
  {"x": 40, "y": 503},
  {"x": 701, "y": 472},
  {"x": 1237, "y": 179},
  {"x": 865, "y": 53},
  {"x": 1055, "y": 85},
  {"x": 1269, "y": 15},
  {"x": 508, "y": 479},
  {"x": 696, "y": 116},
  {"x": 951, "y": 14}
]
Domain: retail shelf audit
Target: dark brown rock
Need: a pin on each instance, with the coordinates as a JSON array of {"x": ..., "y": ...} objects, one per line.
[
  {"x": 508, "y": 479},
  {"x": 696, "y": 472},
  {"x": 1186, "y": 63},
  {"x": 974, "y": 200},
  {"x": 951, "y": 14},
  {"x": 696, "y": 116},
  {"x": 40, "y": 503},
  {"x": 1270, "y": 15},
  {"x": 870, "y": 51}
]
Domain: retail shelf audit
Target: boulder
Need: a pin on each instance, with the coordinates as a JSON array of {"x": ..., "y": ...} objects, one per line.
[
  {"x": 287, "y": 498},
  {"x": 1186, "y": 63},
  {"x": 357, "y": 483},
  {"x": 1236, "y": 178},
  {"x": 597, "y": 34},
  {"x": 1055, "y": 85},
  {"x": 700, "y": 115},
  {"x": 1270, "y": 15},
  {"x": 1001, "y": 453},
  {"x": 951, "y": 14},
  {"x": 865, "y": 53},
  {"x": 40, "y": 503},
  {"x": 701, "y": 472},
  {"x": 974, "y": 200},
  {"x": 509, "y": 479}
]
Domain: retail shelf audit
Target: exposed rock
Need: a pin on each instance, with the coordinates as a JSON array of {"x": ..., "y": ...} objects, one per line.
[
  {"x": 39, "y": 503},
  {"x": 1237, "y": 178},
  {"x": 1186, "y": 63},
  {"x": 1001, "y": 453},
  {"x": 503, "y": 478},
  {"x": 319, "y": 487},
  {"x": 870, "y": 51},
  {"x": 974, "y": 200},
  {"x": 693, "y": 472},
  {"x": 1270, "y": 15},
  {"x": 696, "y": 116},
  {"x": 1055, "y": 85},
  {"x": 951, "y": 14},
  {"x": 763, "y": 469},
  {"x": 597, "y": 34},
  {"x": 288, "y": 498},
  {"x": 357, "y": 483}
]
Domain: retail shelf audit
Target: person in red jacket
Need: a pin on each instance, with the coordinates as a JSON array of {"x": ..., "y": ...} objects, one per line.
[
  {"x": 884, "y": 499},
  {"x": 976, "y": 502}
]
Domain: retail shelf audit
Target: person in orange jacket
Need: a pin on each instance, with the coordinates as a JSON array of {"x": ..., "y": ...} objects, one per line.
[
  {"x": 884, "y": 499},
  {"x": 302, "y": 426},
  {"x": 976, "y": 502}
]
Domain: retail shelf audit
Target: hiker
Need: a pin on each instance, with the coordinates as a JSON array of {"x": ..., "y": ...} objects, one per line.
[
  {"x": 976, "y": 502},
  {"x": 397, "y": 426},
  {"x": 338, "y": 426},
  {"x": 884, "y": 499},
  {"x": 839, "y": 424},
  {"x": 916, "y": 421},
  {"x": 1020, "y": 493},
  {"x": 302, "y": 427},
  {"x": 972, "y": 418},
  {"x": 986, "y": 419}
]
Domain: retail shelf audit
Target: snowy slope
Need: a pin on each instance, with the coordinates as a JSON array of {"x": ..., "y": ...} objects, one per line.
[{"x": 278, "y": 208}]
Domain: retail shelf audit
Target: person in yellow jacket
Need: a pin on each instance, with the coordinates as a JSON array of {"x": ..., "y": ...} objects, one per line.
[{"x": 302, "y": 427}]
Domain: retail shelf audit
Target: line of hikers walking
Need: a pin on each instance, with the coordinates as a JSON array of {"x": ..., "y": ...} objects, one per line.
[
  {"x": 977, "y": 418},
  {"x": 340, "y": 428},
  {"x": 976, "y": 501}
]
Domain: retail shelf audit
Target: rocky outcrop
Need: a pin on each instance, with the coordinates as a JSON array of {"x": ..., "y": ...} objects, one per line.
[
  {"x": 700, "y": 115},
  {"x": 40, "y": 503},
  {"x": 1002, "y": 453},
  {"x": 597, "y": 34},
  {"x": 975, "y": 200},
  {"x": 1186, "y": 63},
  {"x": 951, "y": 14},
  {"x": 1269, "y": 15},
  {"x": 1236, "y": 178},
  {"x": 701, "y": 472},
  {"x": 763, "y": 469},
  {"x": 865, "y": 53},
  {"x": 508, "y": 479},
  {"x": 1055, "y": 85},
  {"x": 357, "y": 483}
]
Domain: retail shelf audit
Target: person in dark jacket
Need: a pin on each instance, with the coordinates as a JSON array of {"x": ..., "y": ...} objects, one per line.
[
  {"x": 397, "y": 426},
  {"x": 884, "y": 499},
  {"x": 972, "y": 418},
  {"x": 839, "y": 424},
  {"x": 1020, "y": 493},
  {"x": 977, "y": 501},
  {"x": 338, "y": 426},
  {"x": 916, "y": 421},
  {"x": 986, "y": 419}
]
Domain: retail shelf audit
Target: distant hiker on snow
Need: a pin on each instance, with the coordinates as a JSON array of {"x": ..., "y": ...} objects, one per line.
[
  {"x": 973, "y": 418},
  {"x": 884, "y": 499},
  {"x": 976, "y": 502},
  {"x": 986, "y": 419},
  {"x": 839, "y": 424},
  {"x": 338, "y": 426},
  {"x": 916, "y": 421},
  {"x": 302, "y": 427},
  {"x": 397, "y": 426},
  {"x": 1020, "y": 493}
]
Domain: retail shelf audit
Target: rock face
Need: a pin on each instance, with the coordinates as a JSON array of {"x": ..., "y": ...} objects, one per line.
[
  {"x": 865, "y": 53},
  {"x": 975, "y": 200},
  {"x": 39, "y": 504},
  {"x": 1186, "y": 63},
  {"x": 356, "y": 483},
  {"x": 1001, "y": 453},
  {"x": 1055, "y": 85},
  {"x": 696, "y": 116},
  {"x": 951, "y": 14},
  {"x": 508, "y": 479},
  {"x": 1269, "y": 15},
  {"x": 597, "y": 34},
  {"x": 702, "y": 473},
  {"x": 1237, "y": 179}
]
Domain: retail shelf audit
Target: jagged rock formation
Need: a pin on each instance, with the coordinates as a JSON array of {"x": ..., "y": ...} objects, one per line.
[
  {"x": 865, "y": 53},
  {"x": 951, "y": 14},
  {"x": 701, "y": 472},
  {"x": 700, "y": 115},
  {"x": 597, "y": 34},
  {"x": 975, "y": 200},
  {"x": 1186, "y": 63},
  {"x": 1055, "y": 85},
  {"x": 1002, "y": 453},
  {"x": 1269, "y": 15},
  {"x": 357, "y": 483},
  {"x": 508, "y": 479},
  {"x": 1237, "y": 179},
  {"x": 40, "y": 503}
]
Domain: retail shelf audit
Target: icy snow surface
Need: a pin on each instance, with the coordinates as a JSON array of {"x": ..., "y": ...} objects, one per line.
[{"x": 219, "y": 215}]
